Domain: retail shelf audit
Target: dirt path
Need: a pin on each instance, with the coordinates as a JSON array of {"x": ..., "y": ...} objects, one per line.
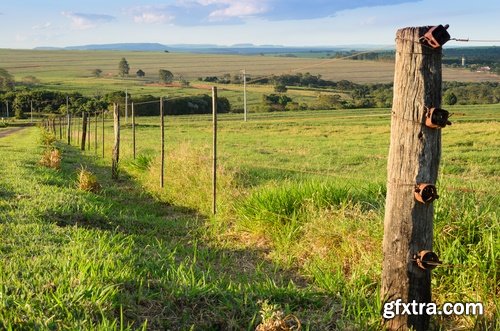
[{"x": 7, "y": 132}]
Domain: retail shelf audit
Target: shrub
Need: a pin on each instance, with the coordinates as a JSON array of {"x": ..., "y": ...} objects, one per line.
[
  {"x": 51, "y": 158},
  {"x": 48, "y": 138},
  {"x": 87, "y": 181}
]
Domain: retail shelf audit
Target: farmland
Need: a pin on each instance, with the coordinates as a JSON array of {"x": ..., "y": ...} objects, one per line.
[
  {"x": 300, "y": 224},
  {"x": 72, "y": 69},
  {"x": 300, "y": 203}
]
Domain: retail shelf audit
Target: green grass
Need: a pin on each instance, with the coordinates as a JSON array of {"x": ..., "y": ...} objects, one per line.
[
  {"x": 73, "y": 69},
  {"x": 300, "y": 224}
]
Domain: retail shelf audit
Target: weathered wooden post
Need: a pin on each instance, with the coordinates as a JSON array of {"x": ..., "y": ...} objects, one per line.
[
  {"x": 89, "y": 123},
  {"x": 214, "y": 159},
  {"x": 414, "y": 154},
  {"x": 133, "y": 129},
  {"x": 102, "y": 138},
  {"x": 116, "y": 146},
  {"x": 54, "y": 130},
  {"x": 162, "y": 128},
  {"x": 95, "y": 132},
  {"x": 77, "y": 120},
  {"x": 68, "y": 133},
  {"x": 84, "y": 130},
  {"x": 60, "y": 127}
]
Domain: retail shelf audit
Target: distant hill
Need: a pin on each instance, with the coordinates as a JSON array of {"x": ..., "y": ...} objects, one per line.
[{"x": 209, "y": 48}]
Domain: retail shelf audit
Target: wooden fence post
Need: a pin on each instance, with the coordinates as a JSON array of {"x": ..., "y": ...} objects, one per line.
[
  {"x": 414, "y": 156},
  {"x": 116, "y": 147},
  {"x": 77, "y": 123},
  {"x": 89, "y": 124},
  {"x": 214, "y": 160},
  {"x": 95, "y": 132},
  {"x": 60, "y": 128},
  {"x": 102, "y": 138},
  {"x": 68, "y": 133},
  {"x": 84, "y": 130},
  {"x": 133, "y": 129},
  {"x": 162, "y": 127},
  {"x": 54, "y": 130}
]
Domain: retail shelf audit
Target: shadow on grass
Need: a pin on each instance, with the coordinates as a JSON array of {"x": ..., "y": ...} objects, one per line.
[{"x": 181, "y": 280}]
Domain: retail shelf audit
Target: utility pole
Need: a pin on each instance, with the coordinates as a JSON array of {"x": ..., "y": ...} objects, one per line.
[
  {"x": 244, "y": 95},
  {"x": 31, "y": 105},
  {"x": 7, "y": 108},
  {"x": 413, "y": 162}
]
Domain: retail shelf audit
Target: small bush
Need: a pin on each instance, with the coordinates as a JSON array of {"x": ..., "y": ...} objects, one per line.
[
  {"x": 274, "y": 319},
  {"x": 87, "y": 181},
  {"x": 51, "y": 158},
  {"x": 48, "y": 138},
  {"x": 142, "y": 162}
]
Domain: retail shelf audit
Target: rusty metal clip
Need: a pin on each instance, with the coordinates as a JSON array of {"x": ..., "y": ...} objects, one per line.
[
  {"x": 437, "y": 118},
  {"x": 427, "y": 260},
  {"x": 426, "y": 193},
  {"x": 436, "y": 36}
]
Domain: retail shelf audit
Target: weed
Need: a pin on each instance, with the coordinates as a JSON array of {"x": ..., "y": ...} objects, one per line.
[
  {"x": 51, "y": 158},
  {"x": 142, "y": 162},
  {"x": 47, "y": 138},
  {"x": 274, "y": 319},
  {"x": 87, "y": 181}
]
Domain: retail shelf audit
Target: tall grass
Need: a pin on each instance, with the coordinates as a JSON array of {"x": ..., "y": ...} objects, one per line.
[{"x": 300, "y": 224}]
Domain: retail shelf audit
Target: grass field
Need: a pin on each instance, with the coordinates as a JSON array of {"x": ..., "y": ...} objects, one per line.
[
  {"x": 72, "y": 69},
  {"x": 300, "y": 225}
]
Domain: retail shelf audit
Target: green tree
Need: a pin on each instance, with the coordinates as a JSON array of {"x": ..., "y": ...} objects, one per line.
[
  {"x": 123, "y": 67},
  {"x": 166, "y": 76},
  {"x": 97, "y": 73},
  {"x": 6, "y": 80},
  {"x": 140, "y": 73},
  {"x": 21, "y": 104},
  {"x": 280, "y": 88},
  {"x": 450, "y": 98}
]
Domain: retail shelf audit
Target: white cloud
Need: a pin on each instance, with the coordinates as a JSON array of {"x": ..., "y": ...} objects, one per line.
[
  {"x": 151, "y": 14},
  {"x": 83, "y": 21},
  {"x": 239, "y": 9},
  {"x": 203, "y": 12},
  {"x": 44, "y": 26}
]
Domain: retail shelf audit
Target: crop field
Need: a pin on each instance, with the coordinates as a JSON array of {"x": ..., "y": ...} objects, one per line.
[
  {"x": 298, "y": 230},
  {"x": 72, "y": 69}
]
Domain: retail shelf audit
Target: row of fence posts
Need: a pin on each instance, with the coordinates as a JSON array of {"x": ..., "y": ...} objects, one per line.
[{"x": 83, "y": 137}]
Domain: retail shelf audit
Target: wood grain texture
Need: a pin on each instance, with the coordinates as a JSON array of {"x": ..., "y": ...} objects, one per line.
[
  {"x": 413, "y": 158},
  {"x": 116, "y": 146},
  {"x": 84, "y": 130}
]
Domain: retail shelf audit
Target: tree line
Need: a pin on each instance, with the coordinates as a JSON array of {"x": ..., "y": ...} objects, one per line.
[
  {"x": 341, "y": 94},
  {"x": 21, "y": 103}
]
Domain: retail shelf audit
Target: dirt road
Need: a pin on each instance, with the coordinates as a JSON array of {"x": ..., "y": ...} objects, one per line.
[{"x": 6, "y": 132}]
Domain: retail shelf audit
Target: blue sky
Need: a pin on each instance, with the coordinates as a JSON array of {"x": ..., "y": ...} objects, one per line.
[{"x": 32, "y": 23}]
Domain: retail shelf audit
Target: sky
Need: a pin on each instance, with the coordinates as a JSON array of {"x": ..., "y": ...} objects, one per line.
[{"x": 58, "y": 23}]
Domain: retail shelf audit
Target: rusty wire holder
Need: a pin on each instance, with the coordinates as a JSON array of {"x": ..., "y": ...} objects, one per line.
[
  {"x": 436, "y": 118},
  {"x": 425, "y": 193},
  {"x": 436, "y": 36},
  {"x": 427, "y": 260}
]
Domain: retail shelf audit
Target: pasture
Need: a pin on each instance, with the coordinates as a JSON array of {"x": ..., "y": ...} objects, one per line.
[
  {"x": 300, "y": 224},
  {"x": 72, "y": 70}
]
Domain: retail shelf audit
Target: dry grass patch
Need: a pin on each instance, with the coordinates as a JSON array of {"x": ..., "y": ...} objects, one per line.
[
  {"x": 51, "y": 158},
  {"x": 87, "y": 181}
]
